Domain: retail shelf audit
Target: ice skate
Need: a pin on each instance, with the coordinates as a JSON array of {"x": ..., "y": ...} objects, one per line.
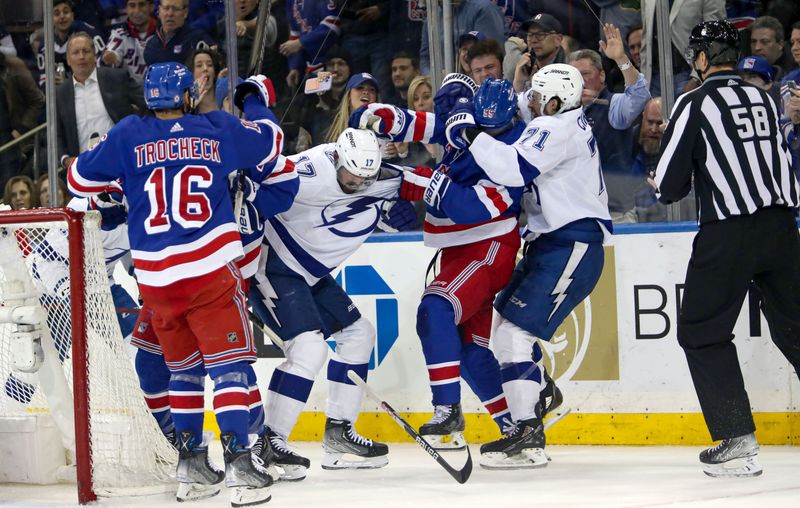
[
  {"x": 198, "y": 478},
  {"x": 342, "y": 440},
  {"x": 522, "y": 448},
  {"x": 734, "y": 457},
  {"x": 550, "y": 398},
  {"x": 263, "y": 451},
  {"x": 292, "y": 466},
  {"x": 445, "y": 431},
  {"x": 245, "y": 474}
]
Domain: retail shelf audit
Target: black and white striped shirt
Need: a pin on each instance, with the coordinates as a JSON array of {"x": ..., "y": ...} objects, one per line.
[{"x": 724, "y": 136}]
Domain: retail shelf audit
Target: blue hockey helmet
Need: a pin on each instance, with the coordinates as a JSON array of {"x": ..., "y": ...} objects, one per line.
[
  {"x": 495, "y": 103},
  {"x": 164, "y": 84}
]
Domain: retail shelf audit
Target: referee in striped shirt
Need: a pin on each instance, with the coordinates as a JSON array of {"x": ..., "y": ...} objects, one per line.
[{"x": 724, "y": 137}]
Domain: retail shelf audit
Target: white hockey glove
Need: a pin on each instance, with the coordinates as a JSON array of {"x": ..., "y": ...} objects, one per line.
[
  {"x": 383, "y": 119},
  {"x": 259, "y": 85}
]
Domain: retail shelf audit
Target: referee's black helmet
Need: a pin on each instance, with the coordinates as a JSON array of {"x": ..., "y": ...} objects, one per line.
[{"x": 718, "y": 39}]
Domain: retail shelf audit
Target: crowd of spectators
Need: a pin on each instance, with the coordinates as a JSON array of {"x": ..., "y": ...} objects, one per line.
[{"x": 378, "y": 50}]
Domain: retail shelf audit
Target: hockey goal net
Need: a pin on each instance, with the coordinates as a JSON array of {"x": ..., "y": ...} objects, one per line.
[{"x": 52, "y": 260}]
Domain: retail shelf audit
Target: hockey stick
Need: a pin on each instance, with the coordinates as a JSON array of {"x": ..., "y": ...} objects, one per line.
[{"x": 460, "y": 475}]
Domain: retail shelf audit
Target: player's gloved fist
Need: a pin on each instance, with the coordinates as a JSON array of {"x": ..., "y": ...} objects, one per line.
[
  {"x": 110, "y": 204},
  {"x": 414, "y": 183},
  {"x": 240, "y": 181},
  {"x": 454, "y": 86},
  {"x": 437, "y": 187},
  {"x": 259, "y": 85},
  {"x": 398, "y": 215},
  {"x": 460, "y": 128},
  {"x": 249, "y": 221},
  {"x": 383, "y": 119}
]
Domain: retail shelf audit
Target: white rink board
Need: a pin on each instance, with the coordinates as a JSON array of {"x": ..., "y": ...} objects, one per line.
[{"x": 642, "y": 376}]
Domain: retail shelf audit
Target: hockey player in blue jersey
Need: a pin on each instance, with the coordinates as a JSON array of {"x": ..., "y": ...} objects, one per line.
[
  {"x": 174, "y": 170},
  {"x": 343, "y": 193},
  {"x": 566, "y": 204}
]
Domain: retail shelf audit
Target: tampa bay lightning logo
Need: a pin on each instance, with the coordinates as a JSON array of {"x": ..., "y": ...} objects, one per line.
[{"x": 349, "y": 219}]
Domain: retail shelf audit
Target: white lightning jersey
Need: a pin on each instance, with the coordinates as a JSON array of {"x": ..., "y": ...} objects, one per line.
[
  {"x": 324, "y": 224},
  {"x": 556, "y": 158},
  {"x": 52, "y": 255}
]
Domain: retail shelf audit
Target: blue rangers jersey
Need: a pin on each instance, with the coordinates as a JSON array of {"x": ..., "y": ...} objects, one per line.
[
  {"x": 174, "y": 174},
  {"x": 316, "y": 24},
  {"x": 479, "y": 207},
  {"x": 279, "y": 186},
  {"x": 556, "y": 159},
  {"x": 325, "y": 225}
]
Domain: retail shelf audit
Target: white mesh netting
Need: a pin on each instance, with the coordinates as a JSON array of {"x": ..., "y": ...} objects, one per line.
[{"x": 129, "y": 454}]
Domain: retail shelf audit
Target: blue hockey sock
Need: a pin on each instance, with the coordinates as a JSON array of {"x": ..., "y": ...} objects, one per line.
[
  {"x": 256, "y": 421},
  {"x": 441, "y": 345},
  {"x": 154, "y": 380},
  {"x": 186, "y": 390},
  {"x": 480, "y": 370},
  {"x": 231, "y": 399}
]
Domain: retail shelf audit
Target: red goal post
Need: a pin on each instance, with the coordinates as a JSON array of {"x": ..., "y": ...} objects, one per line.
[{"x": 119, "y": 449}]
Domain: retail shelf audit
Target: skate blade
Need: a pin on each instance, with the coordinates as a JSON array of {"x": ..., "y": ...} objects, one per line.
[
  {"x": 291, "y": 473},
  {"x": 196, "y": 491},
  {"x": 249, "y": 496},
  {"x": 745, "y": 467},
  {"x": 446, "y": 443},
  {"x": 331, "y": 461},
  {"x": 532, "y": 458}
]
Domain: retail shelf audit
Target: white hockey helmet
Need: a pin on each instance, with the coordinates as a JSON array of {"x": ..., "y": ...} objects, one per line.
[
  {"x": 358, "y": 152},
  {"x": 559, "y": 80}
]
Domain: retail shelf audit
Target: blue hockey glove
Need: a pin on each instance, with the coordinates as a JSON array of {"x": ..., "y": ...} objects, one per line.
[
  {"x": 249, "y": 220},
  {"x": 460, "y": 128},
  {"x": 259, "y": 85},
  {"x": 397, "y": 216},
  {"x": 240, "y": 180},
  {"x": 454, "y": 86}
]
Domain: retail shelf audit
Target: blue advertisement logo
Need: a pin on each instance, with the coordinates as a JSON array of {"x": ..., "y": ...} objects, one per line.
[{"x": 363, "y": 280}]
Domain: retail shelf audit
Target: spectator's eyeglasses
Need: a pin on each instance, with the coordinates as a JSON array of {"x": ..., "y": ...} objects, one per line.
[{"x": 539, "y": 36}]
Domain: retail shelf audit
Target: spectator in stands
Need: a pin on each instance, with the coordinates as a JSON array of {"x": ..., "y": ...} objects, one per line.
[
  {"x": 465, "y": 41},
  {"x": 205, "y": 65},
  {"x": 635, "y": 46},
  {"x": 246, "y": 21},
  {"x": 126, "y": 44},
  {"x": 174, "y": 40},
  {"x": 790, "y": 124},
  {"x": 92, "y": 101},
  {"x": 485, "y": 59},
  {"x": 543, "y": 35},
  {"x": 365, "y": 35},
  {"x": 361, "y": 90},
  {"x": 683, "y": 17},
  {"x": 313, "y": 29},
  {"x": 468, "y": 16},
  {"x": 19, "y": 193},
  {"x": 319, "y": 110},
  {"x": 21, "y": 105},
  {"x": 406, "y": 18},
  {"x": 6, "y": 43},
  {"x": 43, "y": 192},
  {"x": 514, "y": 13},
  {"x": 624, "y": 15},
  {"x": 420, "y": 98},
  {"x": 767, "y": 41},
  {"x": 758, "y": 72},
  {"x": 611, "y": 117},
  {"x": 65, "y": 24},
  {"x": 405, "y": 67},
  {"x": 794, "y": 41}
]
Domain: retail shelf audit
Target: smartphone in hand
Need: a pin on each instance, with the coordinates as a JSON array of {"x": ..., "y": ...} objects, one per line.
[{"x": 319, "y": 84}]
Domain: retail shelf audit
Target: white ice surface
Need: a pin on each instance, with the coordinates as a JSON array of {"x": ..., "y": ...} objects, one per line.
[{"x": 578, "y": 476}]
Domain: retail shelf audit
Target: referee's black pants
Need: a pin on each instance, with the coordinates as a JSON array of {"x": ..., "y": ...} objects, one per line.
[{"x": 726, "y": 256}]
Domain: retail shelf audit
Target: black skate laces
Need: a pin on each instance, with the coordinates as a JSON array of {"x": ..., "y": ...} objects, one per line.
[
  {"x": 280, "y": 444},
  {"x": 356, "y": 438}
]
